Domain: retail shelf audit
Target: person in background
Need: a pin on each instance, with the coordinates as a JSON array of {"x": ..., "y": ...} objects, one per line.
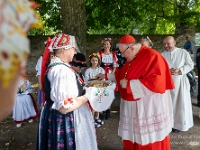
[
  {"x": 90, "y": 74},
  {"x": 25, "y": 109},
  {"x": 198, "y": 69},
  {"x": 66, "y": 120},
  {"x": 188, "y": 44},
  {"x": 120, "y": 60},
  {"x": 109, "y": 64},
  {"x": 180, "y": 63},
  {"x": 14, "y": 47},
  {"x": 144, "y": 81},
  {"x": 145, "y": 40},
  {"x": 79, "y": 63},
  {"x": 38, "y": 68}
]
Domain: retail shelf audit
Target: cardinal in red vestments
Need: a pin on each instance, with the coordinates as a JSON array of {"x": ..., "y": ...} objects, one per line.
[{"x": 146, "y": 116}]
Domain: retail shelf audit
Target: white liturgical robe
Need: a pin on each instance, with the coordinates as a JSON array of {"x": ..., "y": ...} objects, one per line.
[{"x": 181, "y": 99}]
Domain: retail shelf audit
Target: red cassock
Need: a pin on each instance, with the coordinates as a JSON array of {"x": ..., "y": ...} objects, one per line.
[
  {"x": 153, "y": 72},
  {"x": 161, "y": 145}
]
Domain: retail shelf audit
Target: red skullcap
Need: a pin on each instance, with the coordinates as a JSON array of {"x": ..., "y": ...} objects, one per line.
[{"x": 127, "y": 39}]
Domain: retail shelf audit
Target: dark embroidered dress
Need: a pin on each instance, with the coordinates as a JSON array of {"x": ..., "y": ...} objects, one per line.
[{"x": 56, "y": 130}]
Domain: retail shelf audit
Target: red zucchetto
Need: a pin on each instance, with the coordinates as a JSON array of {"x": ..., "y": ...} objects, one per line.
[{"x": 127, "y": 39}]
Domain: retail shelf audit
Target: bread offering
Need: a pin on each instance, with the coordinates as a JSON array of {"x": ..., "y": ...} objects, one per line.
[{"x": 97, "y": 84}]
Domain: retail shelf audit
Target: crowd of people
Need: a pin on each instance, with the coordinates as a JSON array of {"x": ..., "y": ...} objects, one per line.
[
  {"x": 153, "y": 86},
  {"x": 163, "y": 83}
]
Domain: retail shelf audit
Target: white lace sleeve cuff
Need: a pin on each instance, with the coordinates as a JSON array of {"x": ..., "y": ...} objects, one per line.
[{"x": 139, "y": 90}]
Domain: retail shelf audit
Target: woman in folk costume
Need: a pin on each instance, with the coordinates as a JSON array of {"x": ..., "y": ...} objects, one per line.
[
  {"x": 108, "y": 63},
  {"x": 146, "y": 110},
  {"x": 180, "y": 63},
  {"x": 66, "y": 119},
  {"x": 16, "y": 16},
  {"x": 91, "y": 73},
  {"x": 25, "y": 109}
]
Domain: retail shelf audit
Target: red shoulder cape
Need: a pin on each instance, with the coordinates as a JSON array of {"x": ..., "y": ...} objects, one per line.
[{"x": 150, "y": 68}]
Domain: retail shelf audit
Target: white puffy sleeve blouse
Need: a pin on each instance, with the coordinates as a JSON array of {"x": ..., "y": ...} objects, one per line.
[{"x": 63, "y": 85}]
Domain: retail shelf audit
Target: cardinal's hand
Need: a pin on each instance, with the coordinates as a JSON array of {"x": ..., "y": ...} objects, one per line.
[{"x": 123, "y": 83}]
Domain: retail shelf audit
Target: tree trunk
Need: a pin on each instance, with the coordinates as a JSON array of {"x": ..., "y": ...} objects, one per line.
[{"x": 74, "y": 20}]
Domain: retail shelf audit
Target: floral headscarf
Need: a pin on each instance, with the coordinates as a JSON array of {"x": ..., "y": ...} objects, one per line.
[{"x": 62, "y": 41}]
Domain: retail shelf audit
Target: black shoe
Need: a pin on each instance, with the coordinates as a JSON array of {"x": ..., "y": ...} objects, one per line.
[
  {"x": 104, "y": 115},
  {"x": 107, "y": 114},
  {"x": 175, "y": 130}
]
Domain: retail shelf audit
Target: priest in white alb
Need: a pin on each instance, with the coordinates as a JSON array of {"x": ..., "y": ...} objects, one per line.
[{"x": 180, "y": 63}]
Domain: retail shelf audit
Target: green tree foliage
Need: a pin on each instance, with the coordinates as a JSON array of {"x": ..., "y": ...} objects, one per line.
[
  {"x": 154, "y": 17},
  {"x": 148, "y": 16},
  {"x": 123, "y": 16},
  {"x": 110, "y": 16},
  {"x": 186, "y": 14},
  {"x": 50, "y": 12}
]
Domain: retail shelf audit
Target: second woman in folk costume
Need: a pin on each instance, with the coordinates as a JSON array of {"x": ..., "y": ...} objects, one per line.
[
  {"x": 107, "y": 57},
  {"x": 91, "y": 73},
  {"x": 66, "y": 119},
  {"x": 108, "y": 63}
]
